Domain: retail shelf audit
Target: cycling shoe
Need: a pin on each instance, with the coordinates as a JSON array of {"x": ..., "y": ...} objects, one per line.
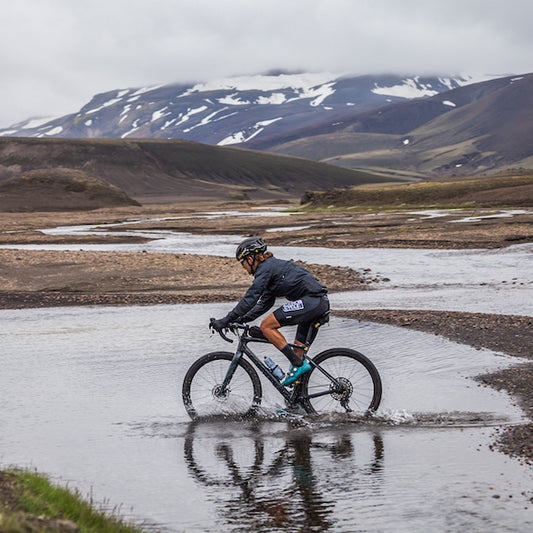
[
  {"x": 295, "y": 372},
  {"x": 290, "y": 411}
]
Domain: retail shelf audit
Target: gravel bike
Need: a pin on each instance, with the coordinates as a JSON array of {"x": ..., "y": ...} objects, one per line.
[{"x": 341, "y": 380}]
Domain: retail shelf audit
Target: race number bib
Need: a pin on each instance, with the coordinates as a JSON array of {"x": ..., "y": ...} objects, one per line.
[{"x": 293, "y": 306}]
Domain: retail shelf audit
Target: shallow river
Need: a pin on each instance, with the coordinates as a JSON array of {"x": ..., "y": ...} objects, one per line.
[{"x": 92, "y": 397}]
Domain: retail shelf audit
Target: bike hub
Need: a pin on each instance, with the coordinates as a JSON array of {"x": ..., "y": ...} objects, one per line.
[{"x": 342, "y": 390}]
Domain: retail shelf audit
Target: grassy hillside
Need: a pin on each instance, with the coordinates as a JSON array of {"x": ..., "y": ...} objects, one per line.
[
  {"x": 163, "y": 169},
  {"x": 500, "y": 191}
]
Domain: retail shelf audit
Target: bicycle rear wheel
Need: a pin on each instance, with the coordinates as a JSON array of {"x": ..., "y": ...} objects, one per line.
[
  {"x": 202, "y": 394},
  {"x": 356, "y": 386}
]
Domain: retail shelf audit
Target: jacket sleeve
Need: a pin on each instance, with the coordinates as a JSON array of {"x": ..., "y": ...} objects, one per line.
[
  {"x": 252, "y": 296},
  {"x": 265, "y": 302}
]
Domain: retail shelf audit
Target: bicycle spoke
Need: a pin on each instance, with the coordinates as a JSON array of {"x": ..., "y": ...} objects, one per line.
[
  {"x": 356, "y": 386},
  {"x": 203, "y": 395}
]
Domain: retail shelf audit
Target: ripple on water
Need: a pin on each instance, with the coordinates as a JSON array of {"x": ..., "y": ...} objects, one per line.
[{"x": 105, "y": 413}]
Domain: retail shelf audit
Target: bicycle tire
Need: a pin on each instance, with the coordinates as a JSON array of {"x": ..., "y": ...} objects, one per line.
[
  {"x": 361, "y": 387},
  {"x": 221, "y": 461},
  {"x": 199, "y": 390}
]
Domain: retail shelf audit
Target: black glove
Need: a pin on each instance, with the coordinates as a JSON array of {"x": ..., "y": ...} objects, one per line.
[{"x": 219, "y": 324}]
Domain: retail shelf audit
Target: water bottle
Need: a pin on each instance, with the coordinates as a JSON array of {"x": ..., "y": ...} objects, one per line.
[{"x": 274, "y": 368}]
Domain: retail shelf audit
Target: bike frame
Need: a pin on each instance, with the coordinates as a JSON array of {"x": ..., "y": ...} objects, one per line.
[{"x": 291, "y": 397}]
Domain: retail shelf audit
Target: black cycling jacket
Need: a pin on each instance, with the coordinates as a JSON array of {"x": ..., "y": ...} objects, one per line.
[{"x": 275, "y": 278}]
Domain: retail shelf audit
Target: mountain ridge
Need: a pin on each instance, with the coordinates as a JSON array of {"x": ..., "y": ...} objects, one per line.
[
  {"x": 235, "y": 110},
  {"x": 387, "y": 124},
  {"x": 487, "y": 127}
]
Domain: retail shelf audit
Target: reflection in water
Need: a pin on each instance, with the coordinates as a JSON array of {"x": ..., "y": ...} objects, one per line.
[
  {"x": 106, "y": 416},
  {"x": 293, "y": 484}
]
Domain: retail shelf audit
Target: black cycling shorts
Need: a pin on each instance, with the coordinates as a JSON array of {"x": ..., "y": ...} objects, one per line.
[{"x": 302, "y": 313}]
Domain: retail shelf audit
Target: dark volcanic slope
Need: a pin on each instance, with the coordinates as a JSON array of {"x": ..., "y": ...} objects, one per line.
[
  {"x": 143, "y": 168},
  {"x": 59, "y": 190},
  {"x": 500, "y": 122}
]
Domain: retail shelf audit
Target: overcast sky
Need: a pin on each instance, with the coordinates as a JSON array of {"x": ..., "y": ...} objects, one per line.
[{"x": 56, "y": 54}]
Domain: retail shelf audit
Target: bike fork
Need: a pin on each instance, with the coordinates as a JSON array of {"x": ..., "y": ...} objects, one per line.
[{"x": 231, "y": 370}]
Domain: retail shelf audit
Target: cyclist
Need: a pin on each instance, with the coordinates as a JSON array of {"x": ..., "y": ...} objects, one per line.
[{"x": 273, "y": 278}]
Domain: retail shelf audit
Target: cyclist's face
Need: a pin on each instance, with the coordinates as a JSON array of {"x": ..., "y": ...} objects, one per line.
[{"x": 247, "y": 264}]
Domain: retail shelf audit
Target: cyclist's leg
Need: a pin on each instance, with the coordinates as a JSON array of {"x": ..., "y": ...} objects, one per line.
[
  {"x": 300, "y": 312},
  {"x": 301, "y": 336},
  {"x": 299, "y": 351},
  {"x": 270, "y": 329},
  {"x": 316, "y": 310},
  {"x": 312, "y": 308}
]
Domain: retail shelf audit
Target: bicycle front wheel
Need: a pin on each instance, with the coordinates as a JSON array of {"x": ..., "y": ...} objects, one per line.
[
  {"x": 345, "y": 381},
  {"x": 202, "y": 388}
]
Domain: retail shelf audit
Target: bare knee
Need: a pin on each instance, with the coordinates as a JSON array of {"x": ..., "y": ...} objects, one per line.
[{"x": 269, "y": 323}]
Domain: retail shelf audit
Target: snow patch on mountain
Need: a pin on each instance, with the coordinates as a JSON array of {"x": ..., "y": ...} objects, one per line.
[
  {"x": 135, "y": 127},
  {"x": 303, "y": 82},
  {"x": 242, "y": 137},
  {"x": 231, "y": 99},
  {"x": 410, "y": 88},
  {"x": 36, "y": 122},
  {"x": 110, "y": 102},
  {"x": 160, "y": 114},
  {"x": 208, "y": 119},
  {"x": 273, "y": 99},
  {"x": 190, "y": 112},
  {"x": 316, "y": 86},
  {"x": 54, "y": 131},
  {"x": 144, "y": 90},
  {"x": 321, "y": 93}
]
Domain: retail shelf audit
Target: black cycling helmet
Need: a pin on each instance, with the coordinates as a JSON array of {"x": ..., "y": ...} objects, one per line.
[{"x": 250, "y": 246}]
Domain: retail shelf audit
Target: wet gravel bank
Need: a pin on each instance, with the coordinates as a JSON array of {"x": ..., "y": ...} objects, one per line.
[
  {"x": 510, "y": 334},
  {"x": 27, "y": 300},
  {"x": 50, "y": 278}
]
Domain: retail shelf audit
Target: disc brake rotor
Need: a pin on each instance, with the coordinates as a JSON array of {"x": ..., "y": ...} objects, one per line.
[
  {"x": 219, "y": 394},
  {"x": 342, "y": 390}
]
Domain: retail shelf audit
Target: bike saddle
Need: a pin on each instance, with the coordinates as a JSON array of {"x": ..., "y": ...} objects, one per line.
[{"x": 324, "y": 319}]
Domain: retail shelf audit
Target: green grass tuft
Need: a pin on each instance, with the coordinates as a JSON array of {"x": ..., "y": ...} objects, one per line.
[{"x": 39, "y": 497}]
